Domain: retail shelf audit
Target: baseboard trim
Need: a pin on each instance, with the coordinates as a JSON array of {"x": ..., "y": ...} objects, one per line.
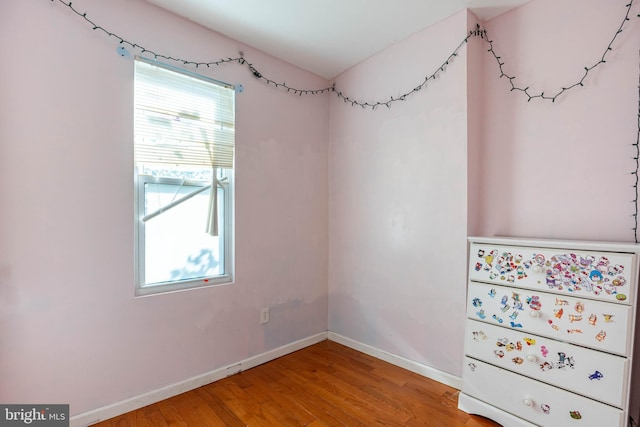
[
  {"x": 91, "y": 417},
  {"x": 411, "y": 365},
  {"x": 137, "y": 402}
]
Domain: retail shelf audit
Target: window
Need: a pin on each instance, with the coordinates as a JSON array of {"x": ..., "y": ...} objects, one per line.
[{"x": 184, "y": 150}]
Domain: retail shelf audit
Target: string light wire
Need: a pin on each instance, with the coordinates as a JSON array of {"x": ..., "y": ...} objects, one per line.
[
  {"x": 477, "y": 32},
  {"x": 637, "y": 160},
  {"x": 580, "y": 82}
]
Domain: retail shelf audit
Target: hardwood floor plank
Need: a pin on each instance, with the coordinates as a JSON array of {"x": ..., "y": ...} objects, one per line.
[
  {"x": 324, "y": 385},
  {"x": 279, "y": 404},
  {"x": 171, "y": 415},
  {"x": 297, "y": 398},
  {"x": 219, "y": 408},
  {"x": 242, "y": 403},
  {"x": 304, "y": 385},
  {"x": 205, "y": 411}
]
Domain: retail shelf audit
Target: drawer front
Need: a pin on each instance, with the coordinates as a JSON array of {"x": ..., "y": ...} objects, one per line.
[
  {"x": 605, "y": 276},
  {"x": 596, "y": 324},
  {"x": 535, "y": 401},
  {"x": 601, "y": 376}
]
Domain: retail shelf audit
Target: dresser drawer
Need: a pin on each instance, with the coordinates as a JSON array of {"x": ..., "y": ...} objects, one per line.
[
  {"x": 535, "y": 401},
  {"x": 605, "y": 276},
  {"x": 594, "y": 374},
  {"x": 596, "y": 324}
]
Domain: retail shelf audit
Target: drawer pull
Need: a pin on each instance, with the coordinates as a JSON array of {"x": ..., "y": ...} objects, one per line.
[
  {"x": 536, "y": 268},
  {"x": 527, "y": 402},
  {"x": 532, "y": 358},
  {"x": 534, "y": 313}
]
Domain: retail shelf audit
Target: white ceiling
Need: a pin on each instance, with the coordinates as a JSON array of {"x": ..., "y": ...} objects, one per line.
[{"x": 326, "y": 37}]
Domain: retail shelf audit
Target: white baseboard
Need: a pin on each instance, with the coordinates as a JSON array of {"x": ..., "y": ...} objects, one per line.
[
  {"x": 137, "y": 402},
  {"x": 413, "y": 366}
]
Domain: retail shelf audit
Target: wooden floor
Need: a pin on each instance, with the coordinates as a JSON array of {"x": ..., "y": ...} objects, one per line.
[{"x": 326, "y": 384}]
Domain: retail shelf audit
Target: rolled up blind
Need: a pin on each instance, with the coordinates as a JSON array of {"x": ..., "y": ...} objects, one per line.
[{"x": 181, "y": 119}]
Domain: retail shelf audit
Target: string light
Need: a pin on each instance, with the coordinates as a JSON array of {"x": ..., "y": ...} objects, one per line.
[
  {"x": 477, "y": 32},
  {"x": 637, "y": 160},
  {"x": 580, "y": 82}
]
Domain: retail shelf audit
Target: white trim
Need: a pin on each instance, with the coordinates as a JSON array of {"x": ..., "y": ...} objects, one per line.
[
  {"x": 137, "y": 402},
  {"x": 411, "y": 365}
]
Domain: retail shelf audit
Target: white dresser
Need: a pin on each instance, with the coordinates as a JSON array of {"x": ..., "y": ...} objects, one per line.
[{"x": 549, "y": 332}]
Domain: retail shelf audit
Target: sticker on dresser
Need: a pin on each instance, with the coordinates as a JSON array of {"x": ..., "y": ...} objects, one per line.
[
  {"x": 535, "y": 401},
  {"x": 587, "y": 274},
  {"x": 598, "y": 324},
  {"x": 594, "y": 374},
  {"x": 549, "y": 332}
]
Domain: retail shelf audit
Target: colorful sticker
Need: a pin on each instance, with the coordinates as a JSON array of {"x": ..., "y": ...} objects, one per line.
[
  {"x": 529, "y": 341},
  {"x": 546, "y": 366},
  {"x": 481, "y": 314},
  {"x": 545, "y": 408},
  {"x": 597, "y": 375},
  {"x": 544, "y": 350},
  {"x": 575, "y": 415},
  {"x": 477, "y": 302},
  {"x": 601, "y": 336},
  {"x": 479, "y": 335},
  {"x": 575, "y": 318},
  {"x": 566, "y": 271},
  {"x": 534, "y": 302},
  {"x": 564, "y": 361}
]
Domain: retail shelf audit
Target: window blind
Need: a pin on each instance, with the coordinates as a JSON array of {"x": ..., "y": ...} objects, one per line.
[
  {"x": 181, "y": 119},
  {"x": 185, "y": 120}
]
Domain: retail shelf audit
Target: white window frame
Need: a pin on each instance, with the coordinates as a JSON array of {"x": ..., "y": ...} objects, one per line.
[
  {"x": 224, "y": 182},
  {"x": 226, "y": 247}
]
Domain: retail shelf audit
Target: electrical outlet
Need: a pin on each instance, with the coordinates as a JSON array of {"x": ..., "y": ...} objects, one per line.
[{"x": 264, "y": 315}]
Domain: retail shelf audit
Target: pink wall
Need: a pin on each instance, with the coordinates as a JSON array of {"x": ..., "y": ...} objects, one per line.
[
  {"x": 398, "y": 201},
  {"x": 563, "y": 169},
  {"x": 398, "y": 178},
  {"x": 405, "y": 187},
  {"x": 71, "y": 329}
]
